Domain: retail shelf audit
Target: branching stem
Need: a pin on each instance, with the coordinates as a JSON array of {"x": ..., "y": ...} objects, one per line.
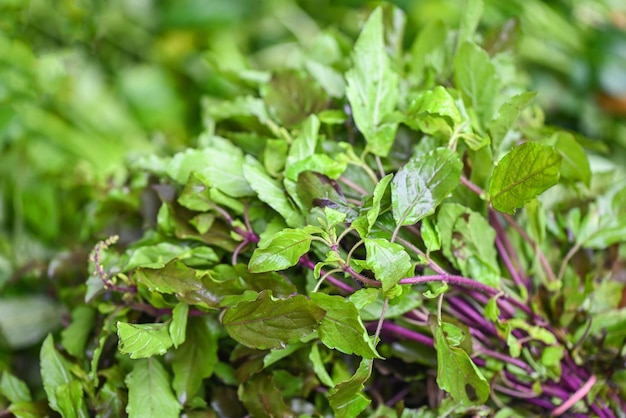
[
  {"x": 467, "y": 183},
  {"x": 324, "y": 276},
  {"x": 381, "y": 320},
  {"x": 306, "y": 262}
]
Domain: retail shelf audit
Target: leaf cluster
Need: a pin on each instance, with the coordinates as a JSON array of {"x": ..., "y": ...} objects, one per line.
[{"x": 371, "y": 230}]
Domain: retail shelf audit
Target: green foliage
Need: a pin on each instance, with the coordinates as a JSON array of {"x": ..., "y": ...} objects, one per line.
[
  {"x": 272, "y": 323},
  {"x": 389, "y": 262},
  {"x": 423, "y": 183},
  {"x": 456, "y": 373},
  {"x": 372, "y": 88},
  {"x": 347, "y": 398},
  {"x": 149, "y": 391},
  {"x": 305, "y": 209},
  {"x": 468, "y": 240},
  {"x": 475, "y": 76},
  {"x": 341, "y": 327},
  {"x": 65, "y": 394},
  {"x": 282, "y": 251},
  {"x": 523, "y": 174}
]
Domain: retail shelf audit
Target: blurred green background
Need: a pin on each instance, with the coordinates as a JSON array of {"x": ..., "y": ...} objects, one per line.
[{"x": 87, "y": 86}]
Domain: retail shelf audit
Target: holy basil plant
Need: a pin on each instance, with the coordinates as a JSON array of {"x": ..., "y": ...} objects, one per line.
[{"x": 372, "y": 231}]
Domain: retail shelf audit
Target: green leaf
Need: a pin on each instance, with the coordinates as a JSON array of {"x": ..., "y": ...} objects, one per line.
[
  {"x": 318, "y": 366},
  {"x": 551, "y": 358},
  {"x": 371, "y": 207},
  {"x": 155, "y": 256},
  {"x": 574, "y": 165},
  {"x": 504, "y": 121},
  {"x": 74, "y": 337},
  {"x": 468, "y": 241},
  {"x": 196, "y": 358},
  {"x": 292, "y": 95},
  {"x": 428, "y": 52},
  {"x": 245, "y": 280},
  {"x": 28, "y": 410},
  {"x": 534, "y": 331},
  {"x": 270, "y": 191},
  {"x": 14, "y": 389},
  {"x": 275, "y": 155},
  {"x": 370, "y": 302},
  {"x": 315, "y": 190},
  {"x": 283, "y": 251},
  {"x": 347, "y": 398},
  {"x": 240, "y": 106},
  {"x": 143, "y": 340},
  {"x": 536, "y": 215},
  {"x": 234, "y": 300},
  {"x": 278, "y": 354},
  {"x": 178, "y": 325},
  {"x": 434, "y": 112},
  {"x": 389, "y": 261},
  {"x": 522, "y": 174},
  {"x": 272, "y": 323},
  {"x": 456, "y": 372},
  {"x": 262, "y": 398},
  {"x": 372, "y": 88},
  {"x": 109, "y": 401},
  {"x": 56, "y": 375},
  {"x": 178, "y": 279},
  {"x": 475, "y": 76},
  {"x": 430, "y": 235},
  {"x": 341, "y": 327},
  {"x": 320, "y": 163},
  {"x": 423, "y": 183},
  {"x": 149, "y": 391},
  {"x": 379, "y": 193},
  {"x": 492, "y": 311},
  {"x": 333, "y": 217},
  {"x": 470, "y": 17},
  {"x": 71, "y": 400},
  {"x": 436, "y": 289},
  {"x": 605, "y": 223},
  {"x": 328, "y": 78},
  {"x": 305, "y": 143},
  {"x": 220, "y": 165},
  {"x": 475, "y": 141}
]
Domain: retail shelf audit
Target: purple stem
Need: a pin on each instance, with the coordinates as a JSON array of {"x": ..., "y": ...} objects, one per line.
[
  {"x": 556, "y": 391},
  {"x": 469, "y": 311},
  {"x": 246, "y": 218},
  {"x": 506, "y": 359},
  {"x": 602, "y": 412},
  {"x": 306, "y": 262},
  {"x": 452, "y": 279},
  {"x": 472, "y": 186},
  {"x": 407, "y": 333},
  {"x": 509, "y": 264},
  {"x": 417, "y": 315},
  {"x": 238, "y": 250},
  {"x": 508, "y": 248},
  {"x": 484, "y": 340},
  {"x": 569, "y": 362},
  {"x": 617, "y": 400},
  {"x": 471, "y": 284}
]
